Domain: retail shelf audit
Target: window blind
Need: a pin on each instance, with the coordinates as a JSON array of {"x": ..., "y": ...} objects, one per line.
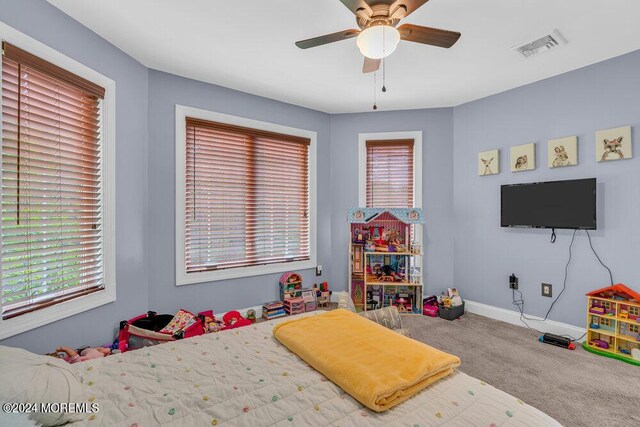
[
  {"x": 51, "y": 175},
  {"x": 390, "y": 174},
  {"x": 247, "y": 197}
]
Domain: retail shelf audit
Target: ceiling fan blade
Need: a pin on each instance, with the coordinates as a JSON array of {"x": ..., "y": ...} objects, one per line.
[
  {"x": 354, "y": 5},
  {"x": 428, "y": 35},
  {"x": 327, "y": 38},
  {"x": 409, "y": 5},
  {"x": 370, "y": 65}
]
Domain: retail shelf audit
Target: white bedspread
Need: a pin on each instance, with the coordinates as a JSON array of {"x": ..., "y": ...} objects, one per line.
[{"x": 244, "y": 377}]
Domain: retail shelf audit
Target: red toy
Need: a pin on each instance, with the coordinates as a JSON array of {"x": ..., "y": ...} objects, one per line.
[
  {"x": 234, "y": 319},
  {"x": 430, "y": 306}
]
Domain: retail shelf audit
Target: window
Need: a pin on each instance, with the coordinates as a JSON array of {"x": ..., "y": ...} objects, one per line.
[
  {"x": 390, "y": 170},
  {"x": 246, "y": 201},
  {"x": 390, "y": 174},
  {"x": 56, "y": 220}
]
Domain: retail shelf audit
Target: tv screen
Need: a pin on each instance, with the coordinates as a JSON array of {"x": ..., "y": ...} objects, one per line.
[{"x": 554, "y": 204}]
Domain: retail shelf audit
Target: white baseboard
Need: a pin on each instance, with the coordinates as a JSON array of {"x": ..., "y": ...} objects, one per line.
[{"x": 513, "y": 317}]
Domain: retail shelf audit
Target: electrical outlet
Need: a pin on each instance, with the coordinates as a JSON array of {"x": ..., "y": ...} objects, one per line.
[
  {"x": 513, "y": 282},
  {"x": 546, "y": 290},
  {"x": 319, "y": 270}
]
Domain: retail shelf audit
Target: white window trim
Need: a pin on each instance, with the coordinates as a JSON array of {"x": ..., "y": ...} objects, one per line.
[
  {"x": 68, "y": 308},
  {"x": 417, "y": 162},
  {"x": 184, "y": 278}
]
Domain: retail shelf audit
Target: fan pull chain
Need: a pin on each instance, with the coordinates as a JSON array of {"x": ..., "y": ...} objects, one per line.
[
  {"x": 375, "y": 105},
  {"x": 384, "y": 74},
  {"x": 384, "y": 55}
]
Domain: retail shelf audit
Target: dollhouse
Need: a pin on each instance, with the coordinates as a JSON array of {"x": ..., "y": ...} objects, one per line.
[
  {"x": 613, "y": 323},
  {"x": 386, "y": 258}
]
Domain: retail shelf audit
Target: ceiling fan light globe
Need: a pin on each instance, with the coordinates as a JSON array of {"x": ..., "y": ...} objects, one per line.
[{"x": 378, "y": 41}]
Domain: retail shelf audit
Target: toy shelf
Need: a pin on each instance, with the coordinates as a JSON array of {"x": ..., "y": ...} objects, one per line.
[
  {"x": 626, "y": 338},
  {"x": 603, "y": 332}
]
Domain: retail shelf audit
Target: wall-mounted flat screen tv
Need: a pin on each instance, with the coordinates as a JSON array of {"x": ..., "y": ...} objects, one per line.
[{"x": 554, "y": 204}]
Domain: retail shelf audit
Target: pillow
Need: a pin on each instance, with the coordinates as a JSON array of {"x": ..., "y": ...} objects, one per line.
[
  {"x": 30, "y": 378},
  {"x": 388, "y": 317},
  {"x": 345, "y": 301}
]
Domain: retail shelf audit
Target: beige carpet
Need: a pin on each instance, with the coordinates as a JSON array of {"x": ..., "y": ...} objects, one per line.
[{"x": 576, "y": 388}]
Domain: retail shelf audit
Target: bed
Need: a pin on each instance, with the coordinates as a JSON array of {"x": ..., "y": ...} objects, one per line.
[{"x": 245, "y": 377}]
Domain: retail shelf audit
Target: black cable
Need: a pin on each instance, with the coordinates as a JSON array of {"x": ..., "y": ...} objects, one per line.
[
  {"x": 520, "y": 303},
  {"x": 553, "y": 235},
  {"x": 599, "y": 260},
  {"x": 564, "y": 283}
]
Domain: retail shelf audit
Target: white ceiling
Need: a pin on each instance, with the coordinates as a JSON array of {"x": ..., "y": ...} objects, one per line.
[{"x": 248, "y": 45}]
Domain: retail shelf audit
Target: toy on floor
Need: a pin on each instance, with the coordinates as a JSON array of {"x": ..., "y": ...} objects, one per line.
[
  {"x": 430, "y": 306},
  {"x": 557, "y": 340},
  {"x": 613, "y": 323},
  {"x": 209, "y": 321},
  {"x": 309, "y": 298},
  {"x": 233, "y": 320},
  {"x": 73, "y": 356},
  {"x": 290, "y": 286},
  {"x": 273, "y": 309},
  {"x": 294, "y": 306},
  {"x": 323, "y": 294},
  {"x": 251, "y": 315}
]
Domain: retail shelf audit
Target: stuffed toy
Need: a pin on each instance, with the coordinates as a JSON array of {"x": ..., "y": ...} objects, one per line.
[
  {"x": 251, "y": 315},
  {"x": 73, "y": 356},
  {"x": 234, "y": 319}
]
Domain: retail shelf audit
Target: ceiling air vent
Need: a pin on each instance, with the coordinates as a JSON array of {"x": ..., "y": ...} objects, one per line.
[{"x": 543, "y": 44}]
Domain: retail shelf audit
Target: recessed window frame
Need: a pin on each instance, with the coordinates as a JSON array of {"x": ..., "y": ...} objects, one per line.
[
  {"x": 53, "y": 313},
  {"x": 184, "y": 278}
]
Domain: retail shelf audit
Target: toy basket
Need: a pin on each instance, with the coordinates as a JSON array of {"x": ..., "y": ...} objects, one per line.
[
  {"x": 148, "y": 329},
  {"x": 451, "y": 313}
]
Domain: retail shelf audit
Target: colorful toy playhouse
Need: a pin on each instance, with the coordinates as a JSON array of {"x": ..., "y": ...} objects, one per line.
[
  {"x": 386, "y": 258},
  {"x": 613, "y": 323}
]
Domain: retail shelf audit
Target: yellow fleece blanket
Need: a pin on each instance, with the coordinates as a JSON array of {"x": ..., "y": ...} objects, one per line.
[{"x": 376, "y": 366}]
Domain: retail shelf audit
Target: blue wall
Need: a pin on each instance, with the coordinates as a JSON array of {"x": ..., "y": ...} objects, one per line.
[
  {"x": 465, "y": 245},
  {"x": 50, "y": 26},
  {"x": 600, "y": 96},
  {"x": 437, "y": 187},
  {"x": 165, "y": 91}
]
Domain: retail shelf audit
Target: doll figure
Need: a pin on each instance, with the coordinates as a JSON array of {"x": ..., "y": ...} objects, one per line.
[{"x": 72, "y": 356}]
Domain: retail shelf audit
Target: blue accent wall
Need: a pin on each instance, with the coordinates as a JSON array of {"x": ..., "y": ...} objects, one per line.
[{"x": 600, "y": 96}]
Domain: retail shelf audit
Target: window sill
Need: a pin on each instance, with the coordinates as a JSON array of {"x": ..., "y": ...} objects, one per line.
[
  {"x": 35, "y": 319},
  {"x": 235, "y": 273}
]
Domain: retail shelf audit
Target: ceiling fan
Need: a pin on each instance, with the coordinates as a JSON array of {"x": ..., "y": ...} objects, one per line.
[{"x": 378, "y": 36}]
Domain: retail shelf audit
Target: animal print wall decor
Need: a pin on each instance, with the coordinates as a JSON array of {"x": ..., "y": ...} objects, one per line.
[
  {"x": 613, "y": 144},
  {"x": 562, "y": 152},
  {"x": 523, "y": 157},
  {"x": 489, "y": 162}
]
